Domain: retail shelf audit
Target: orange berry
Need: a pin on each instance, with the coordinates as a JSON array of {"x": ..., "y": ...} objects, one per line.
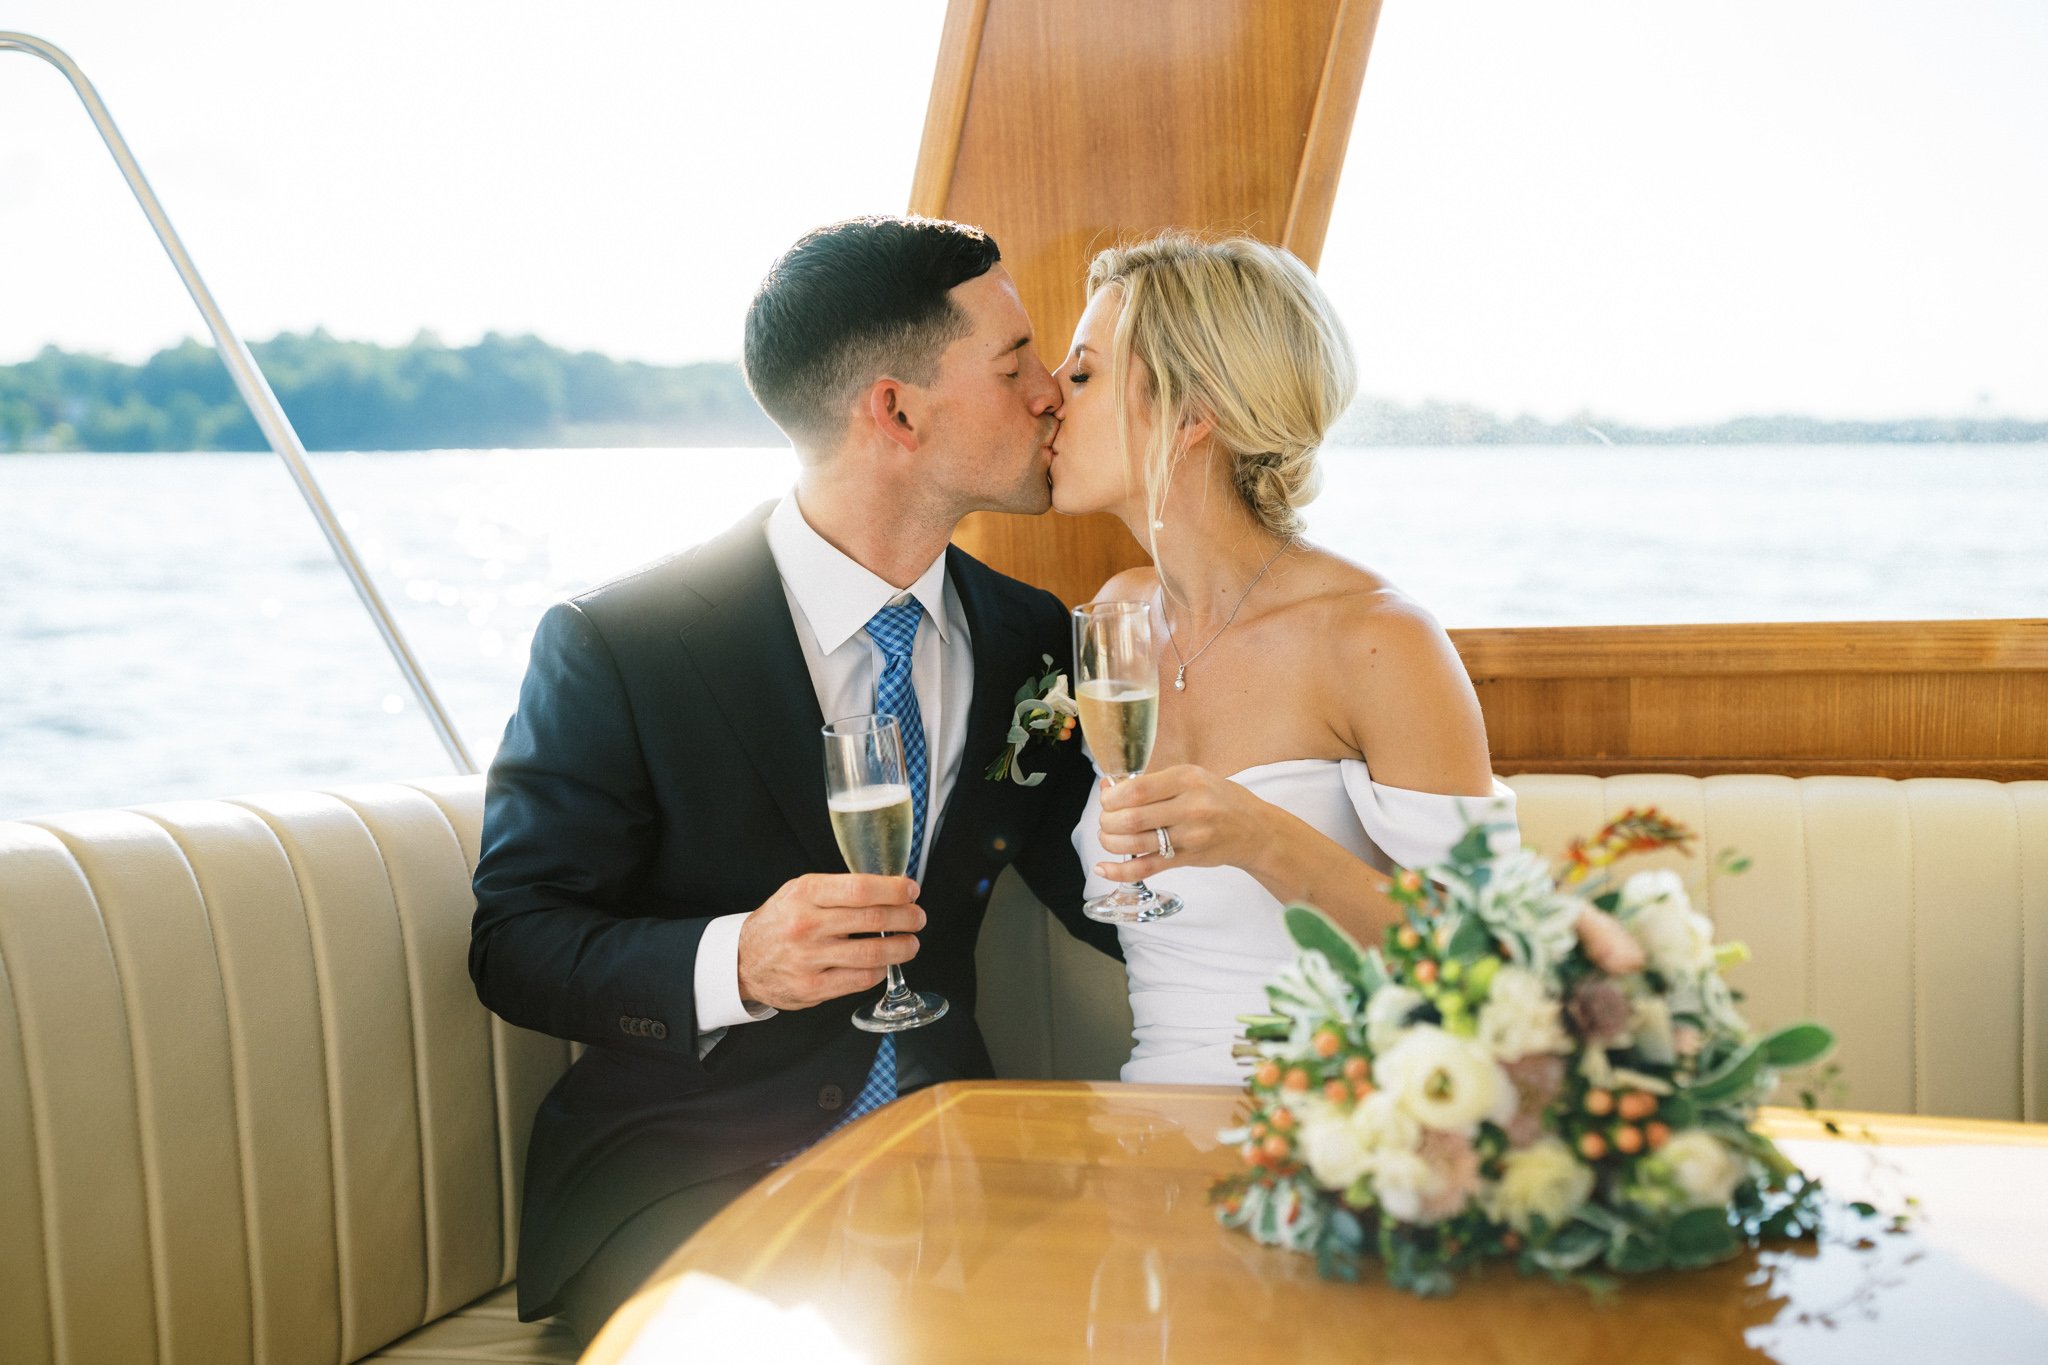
[
  {"x": 1275, "y": 1148},
  {"x": 1356, "y": 1068},
  {"x": 1268, "y": 1074},
  {"x": 1599, "y": 1103},
  {"x": 1259, "y": 1130},
  {"x": 1283, "y": 1120},
  {"x": 1408, "y": 938},
  {"x": 1327, "y": 1042},
  {"x": 1451, "y": 1245},
  {"x": 1336, "y": 1092},
  {"x": 1362, "y": 1089},
  {"x": 1628, "y": 1139},
  {"x": 1425, "y": 972},
  {"x": 1658, "y": 1134},
  {"x": 1411, "y": 882},
  {"x": 1510, "y": 1240},
  {"x": 1297, "y": 1079},
  {"x": 1636, "y": 1106},
  {"x": 1592, "y": 1146}
]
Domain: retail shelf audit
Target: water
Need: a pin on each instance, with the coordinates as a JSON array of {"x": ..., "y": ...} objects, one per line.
[{"x": 174, "y": 626}]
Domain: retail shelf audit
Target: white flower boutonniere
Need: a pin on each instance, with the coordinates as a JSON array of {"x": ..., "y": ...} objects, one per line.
[{"x": 1045, "y": 714}]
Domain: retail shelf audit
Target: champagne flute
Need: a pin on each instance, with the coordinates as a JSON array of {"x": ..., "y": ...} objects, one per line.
[
  {"x": 868, "y": 798},
  {"x": 1116, "y": 683}
]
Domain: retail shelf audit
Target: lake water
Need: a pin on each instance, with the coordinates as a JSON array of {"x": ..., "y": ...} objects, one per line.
[{"x": 174, "y": 625}]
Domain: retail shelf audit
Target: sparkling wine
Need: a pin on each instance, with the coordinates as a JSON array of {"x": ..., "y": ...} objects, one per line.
[
  {"x": 1121, "y": 720},
  {"x": 872, "y": 825}
]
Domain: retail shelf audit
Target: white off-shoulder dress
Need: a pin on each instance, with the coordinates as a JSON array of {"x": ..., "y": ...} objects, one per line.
[{"x": 1192, "y": 974}]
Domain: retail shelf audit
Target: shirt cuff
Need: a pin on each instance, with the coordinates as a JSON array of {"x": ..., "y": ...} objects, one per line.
[{"x": 718, "y": 977}]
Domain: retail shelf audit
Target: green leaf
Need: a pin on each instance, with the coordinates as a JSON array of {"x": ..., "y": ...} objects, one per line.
[
  {"x": 1607, "y": 901},
  {"x": 1474, "y": 847},
  {"x": 1636, "y": 1253},
  {"x": 1797, "y": 1045},
  {"x": 1701, "y": 1237},
  {"x": 1469, "y": 940},
  {"x": 1310, "y": 928},
  {"x": 1730, "y": 1081},
  {"x": 1575, "y": 1246}
]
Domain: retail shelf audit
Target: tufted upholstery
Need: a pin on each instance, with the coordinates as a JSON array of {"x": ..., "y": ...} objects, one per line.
[
  {"x": 1911, "y": 916},
  {"x": 251, "y": 1110},
  {"x": 249, "y": 1106}
]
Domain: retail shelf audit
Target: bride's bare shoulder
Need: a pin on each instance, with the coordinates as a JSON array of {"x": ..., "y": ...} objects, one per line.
[
  {"x": 1132, "y": 585},
  {"x": 1372, "y": 622}
]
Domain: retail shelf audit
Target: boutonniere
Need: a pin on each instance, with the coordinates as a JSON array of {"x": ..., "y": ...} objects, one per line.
[{"x": 1045, "y": 714}]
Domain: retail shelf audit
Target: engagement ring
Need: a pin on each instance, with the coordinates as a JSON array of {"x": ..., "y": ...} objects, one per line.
[{"x": 1165, "y": 843}]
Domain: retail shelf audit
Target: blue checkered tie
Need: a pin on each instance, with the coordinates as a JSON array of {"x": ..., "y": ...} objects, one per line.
[{"x": 894, "y": 630}]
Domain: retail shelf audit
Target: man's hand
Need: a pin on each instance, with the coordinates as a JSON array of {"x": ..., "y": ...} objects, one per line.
[{"x": 797, "y": 950}]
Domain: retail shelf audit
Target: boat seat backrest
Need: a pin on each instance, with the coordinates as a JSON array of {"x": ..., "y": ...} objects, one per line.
[
  {"x": 1912, "y": 916},
  {"x": 251, "y": 1109}
]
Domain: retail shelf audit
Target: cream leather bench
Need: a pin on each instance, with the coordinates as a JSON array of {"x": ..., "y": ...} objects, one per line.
[
  {"x": 251, "y": 1110},
  {"x": 1911, "y": 916}
]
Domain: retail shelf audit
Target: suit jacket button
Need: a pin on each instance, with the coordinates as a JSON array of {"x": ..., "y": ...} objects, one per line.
[
  {"x": 626, "y": 1024},
  {"x": 831, "y": 1097},
  {"x": 657, "y": 1030}
]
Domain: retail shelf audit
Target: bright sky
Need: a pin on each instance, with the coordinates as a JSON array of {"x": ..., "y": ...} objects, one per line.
[{"x": 1659, "y": 214}]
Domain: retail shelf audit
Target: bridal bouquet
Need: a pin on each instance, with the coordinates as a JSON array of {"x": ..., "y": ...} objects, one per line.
[{"x": 1541, "y": 1067}]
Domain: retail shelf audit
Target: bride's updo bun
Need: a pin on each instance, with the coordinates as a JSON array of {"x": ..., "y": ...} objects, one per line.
[{"x": 1239, "y": 332}]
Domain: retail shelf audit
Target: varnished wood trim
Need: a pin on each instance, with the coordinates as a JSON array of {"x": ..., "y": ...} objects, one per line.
[
  {"x": 953, "y": 81},
  {"x": 2012, "y": 646},
  {"x": 1329, "y": 129},
  {"x": 1987, "y": 769}
]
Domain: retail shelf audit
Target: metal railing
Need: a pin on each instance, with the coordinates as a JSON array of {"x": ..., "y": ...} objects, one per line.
[{"x": 255, "y": 391}]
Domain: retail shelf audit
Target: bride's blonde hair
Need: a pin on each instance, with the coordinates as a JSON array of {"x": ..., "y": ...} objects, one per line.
[{"x": 1239, "y": 332}]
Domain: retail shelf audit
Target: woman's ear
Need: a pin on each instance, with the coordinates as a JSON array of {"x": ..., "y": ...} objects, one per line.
[
  {"x": 1196, "y": 427},
  {"x": 888, "y": 409}
]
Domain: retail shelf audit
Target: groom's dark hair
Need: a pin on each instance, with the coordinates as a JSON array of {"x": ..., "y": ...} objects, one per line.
[{"x": 851, "y": 302}]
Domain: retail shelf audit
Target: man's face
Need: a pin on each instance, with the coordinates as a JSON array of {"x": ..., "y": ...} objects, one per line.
[{"x": 989, "y": 411}]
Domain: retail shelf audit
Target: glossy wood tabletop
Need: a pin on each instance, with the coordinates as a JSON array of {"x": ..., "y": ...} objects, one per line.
[{"x": 1057, "y": 1221}]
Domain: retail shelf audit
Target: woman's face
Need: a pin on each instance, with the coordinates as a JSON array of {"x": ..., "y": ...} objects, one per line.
[{"x": 1090, "y": 471}]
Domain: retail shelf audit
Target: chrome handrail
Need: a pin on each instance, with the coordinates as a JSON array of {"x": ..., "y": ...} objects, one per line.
[{"x": 255, "y": 391}]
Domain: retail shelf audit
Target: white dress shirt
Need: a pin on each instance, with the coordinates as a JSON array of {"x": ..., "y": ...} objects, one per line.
[{"x": 831, "y": 600}]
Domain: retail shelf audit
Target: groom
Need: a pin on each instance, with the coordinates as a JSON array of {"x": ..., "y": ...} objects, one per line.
[{"x": 658, "y": 877}]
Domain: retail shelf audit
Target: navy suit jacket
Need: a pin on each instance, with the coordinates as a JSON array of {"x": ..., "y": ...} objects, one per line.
[{"x": 665, "y": 767}]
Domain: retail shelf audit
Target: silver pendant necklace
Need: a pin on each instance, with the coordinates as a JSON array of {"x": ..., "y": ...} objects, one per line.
[{"x": 1180, "y": 677}]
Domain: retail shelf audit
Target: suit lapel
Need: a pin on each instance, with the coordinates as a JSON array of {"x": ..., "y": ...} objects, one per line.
[
  {"x": 1003, "y": 658},
  {"x": 743, "y": 645}
]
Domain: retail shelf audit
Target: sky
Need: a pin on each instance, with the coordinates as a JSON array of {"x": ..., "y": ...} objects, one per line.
[{"x": 1655, "y": 213}]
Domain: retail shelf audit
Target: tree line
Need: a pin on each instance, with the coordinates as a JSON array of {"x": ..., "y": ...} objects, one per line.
[
  {"x": 519, "y": 391},
  {"x": 354, "y": 395}
]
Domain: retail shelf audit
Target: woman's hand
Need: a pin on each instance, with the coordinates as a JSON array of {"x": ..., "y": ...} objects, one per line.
[{"x": 1211, "y": 821}]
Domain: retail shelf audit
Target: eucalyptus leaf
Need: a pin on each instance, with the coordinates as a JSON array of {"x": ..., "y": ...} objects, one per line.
[
  {"x": 1311, "y": 929},
  {"x": 1701, "y": 1237},
  {"x": 1470, "y": 939}
]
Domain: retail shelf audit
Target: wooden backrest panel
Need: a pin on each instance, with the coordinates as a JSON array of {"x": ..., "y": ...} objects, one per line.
[{"x": 1062, "y": 126}]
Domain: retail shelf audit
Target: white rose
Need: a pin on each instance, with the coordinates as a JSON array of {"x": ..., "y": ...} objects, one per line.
[
  {"x": 1335, "y": 1149},
  {"x": 1401, "y": 1181},
  {"x": 1704, "y": 1168},
  {"x": 1445, "y": 1082},
  {"x": 1060, "y": 700},
  {"x": 1678, "y": 940},
  {"x": 1543, "y": 1180},
  {"x": 1520, "y": 1018},
  {"x": 1386, "y": 1015},
  {"x": 1384, "y": 1126}
]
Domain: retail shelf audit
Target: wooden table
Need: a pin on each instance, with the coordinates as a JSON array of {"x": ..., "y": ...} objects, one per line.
[{"x": 1055, "y": 1221}]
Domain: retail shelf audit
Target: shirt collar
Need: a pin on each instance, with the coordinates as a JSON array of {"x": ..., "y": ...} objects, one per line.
[{"x": 835, "y": 592}]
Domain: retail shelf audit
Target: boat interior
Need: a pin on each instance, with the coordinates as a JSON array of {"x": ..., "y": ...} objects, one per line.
[{"x": 250, "y": 1107}]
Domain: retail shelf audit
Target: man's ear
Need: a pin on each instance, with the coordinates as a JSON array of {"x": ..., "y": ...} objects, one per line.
[{"x": 888, "y": 407}]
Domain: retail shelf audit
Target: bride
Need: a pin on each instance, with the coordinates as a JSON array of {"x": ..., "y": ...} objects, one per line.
[{"x": 1315, "y": 724}]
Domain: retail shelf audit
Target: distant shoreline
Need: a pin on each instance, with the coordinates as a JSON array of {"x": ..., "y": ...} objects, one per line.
[{"x": 520, "y": 393}]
